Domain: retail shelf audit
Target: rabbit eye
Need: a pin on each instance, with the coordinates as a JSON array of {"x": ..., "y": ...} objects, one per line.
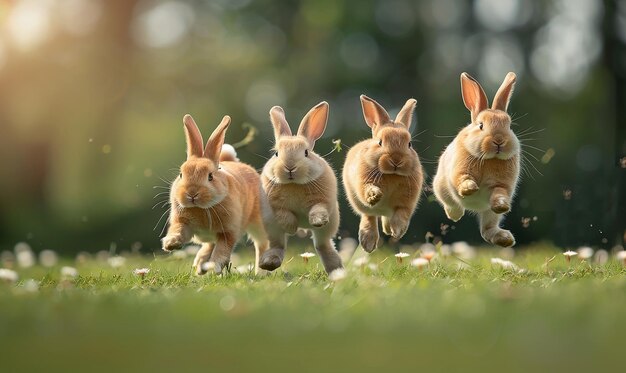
[
  {"x": 276, "y": 154},
  {"x": 210, "y": 176},
  {"x": 180, "y": 175},
  {"x": 410, "y": 145},
  {"x": 380, "y": 142},
  {"x": 306, "y": 152},
  {"x": 480, "y": 126}
]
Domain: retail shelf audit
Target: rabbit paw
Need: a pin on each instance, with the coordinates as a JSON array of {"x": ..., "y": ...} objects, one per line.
[
  {"x": 454, "y": 213},
  {"x": 319, "y": 219},
  {"x": 503, "y": 238},
  {"x": 467, "y": 188},
  {"x": 271, "y": 259},
  {"x": 398, "y": 229},
  {"x": 500, "y": 205},
  {"x": 368, "y": 238},
  {"x": 171, "y": 243},
  {"x": 373, "y": 194}
]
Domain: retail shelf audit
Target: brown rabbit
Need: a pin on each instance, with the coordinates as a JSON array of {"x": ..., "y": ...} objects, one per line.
[
  {"x": 215, "y": 199},
  {"x": 479, "y": 170},
  {"x": 383, "y": 175},
  {"x": 301, "y": 188}
]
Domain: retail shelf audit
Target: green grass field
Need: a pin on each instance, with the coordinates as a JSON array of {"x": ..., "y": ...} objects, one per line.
[{"x": 449, "y": 316}]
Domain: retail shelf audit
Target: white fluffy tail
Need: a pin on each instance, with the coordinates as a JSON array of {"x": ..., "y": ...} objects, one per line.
[{"x": 228, "y": 154}]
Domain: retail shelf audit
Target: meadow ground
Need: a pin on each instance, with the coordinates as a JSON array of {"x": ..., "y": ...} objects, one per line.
[{"x": 452, "y": 315}]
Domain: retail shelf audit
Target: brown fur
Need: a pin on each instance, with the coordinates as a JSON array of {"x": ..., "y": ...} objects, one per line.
[
  {"x": 383, "y": 180},
  {"x": 214, "y": 212},
  {"x": 301, "y": 188},
  {"x": 479, "y": 170}
]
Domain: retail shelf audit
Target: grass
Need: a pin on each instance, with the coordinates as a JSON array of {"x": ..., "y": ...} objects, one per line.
[{"x": 441, "y": 318}]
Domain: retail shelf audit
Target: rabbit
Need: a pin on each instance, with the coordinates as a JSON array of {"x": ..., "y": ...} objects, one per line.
[
  {"x": 383, "y": 176},
  {"x": 479, "y": 170},
  {"x": 214, "y": 200},
  {"x": 301, "y": 189}
]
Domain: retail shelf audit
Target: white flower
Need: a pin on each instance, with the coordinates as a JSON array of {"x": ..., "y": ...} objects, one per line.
[
  {"x": 420, "y": 262},
  {"x": 601, "y": 257},
  {"x": 463, "y": 250},
  {"x": 348, "y": 245},
  {"x": 48, "y": 258},
  {"x": 504, "y": 264},
  {"x": 337, "y": 275},
  {"x": 570, "y": 253},
  {"x": 208, "y": 266},
  {"x": 141, "y": 271},
  {"x": 245, "y": 269},
  {"x": 179, "y": 254},
  {"x": 373, "y": 267},
  {"x": 69, "y": 272},
  {"x": 31, "y": 285},
  {"x": 191, "y": 250},
  {"x": 8, "y": 275},
  {"x": 621, "y": 255},
  {"x": 428, "y": 255},
  {"x": 585, "y": 252},
  {"x": 24, "y": 255},
  {"x": 305, "y": 256},
  {"x": 401, "y": 255},
  {"x": 362, "y": 261},
  {"x": 116, "y": 261},
  {"x": 445, "y": 250}
]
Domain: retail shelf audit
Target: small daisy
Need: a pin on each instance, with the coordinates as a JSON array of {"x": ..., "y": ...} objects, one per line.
[
  {"x": 621, "y": 255},
  {"x": 48, "y": 258},
  {"x": 8, "y": 275},
  {"x": 305, "y": 256},
  {"x": 420, "y": 262},
  {"x": 361, "y": 262},
  {"x": 601, "y": 257},
  {"x": 116, "y": 261},
  {"x": 569, "y": 254},
  {"x": 428, "y": 255},
  {"x": 463, "y": 250},
  {"x": 585, "y": 253},
  {"x": 31, "y": 285},
  {"x": 69, "y": 273},
  {"x": 337, "y": 275},
  {"x": 141, "y": 272},
  {"x": 504, "y": 264},
  {"x": 400, "y": 256},
  {"x": 24, "y": 255}
]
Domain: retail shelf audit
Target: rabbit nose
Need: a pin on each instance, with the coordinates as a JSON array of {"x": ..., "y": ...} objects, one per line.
[{"x": 192, "y": 196}]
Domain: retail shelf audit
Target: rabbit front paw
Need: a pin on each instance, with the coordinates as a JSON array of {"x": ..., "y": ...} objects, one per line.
[
  {"x": 373, "y": 195},
  {"x": 368, "y": 238},
  {"x": 318, "y": 219},
  {"x": 171, "y": 243},
  {"x": 500, "y": 205},
  {"x": 467, "y": 188}
]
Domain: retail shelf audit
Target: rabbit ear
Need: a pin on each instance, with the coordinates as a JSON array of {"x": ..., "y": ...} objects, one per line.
[
  {"x": 193, "y": 136},
  {"x": 374, "y": 113},
  {"x": 503, "y": 96},
  {"x": 406, "y": 114},
  {"x": 473, "y": 95},
  {"x": 281, "y": 127},
  {"x": 214, "y": 144},
  {"x": 314, "y": 123}
]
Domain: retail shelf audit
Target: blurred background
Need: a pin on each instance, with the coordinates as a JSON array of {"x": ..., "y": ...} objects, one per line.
[{"x": 92, "y": 95}]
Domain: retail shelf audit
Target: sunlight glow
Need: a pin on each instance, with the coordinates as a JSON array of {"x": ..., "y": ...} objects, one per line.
[{"x": 28, "y": 23}]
